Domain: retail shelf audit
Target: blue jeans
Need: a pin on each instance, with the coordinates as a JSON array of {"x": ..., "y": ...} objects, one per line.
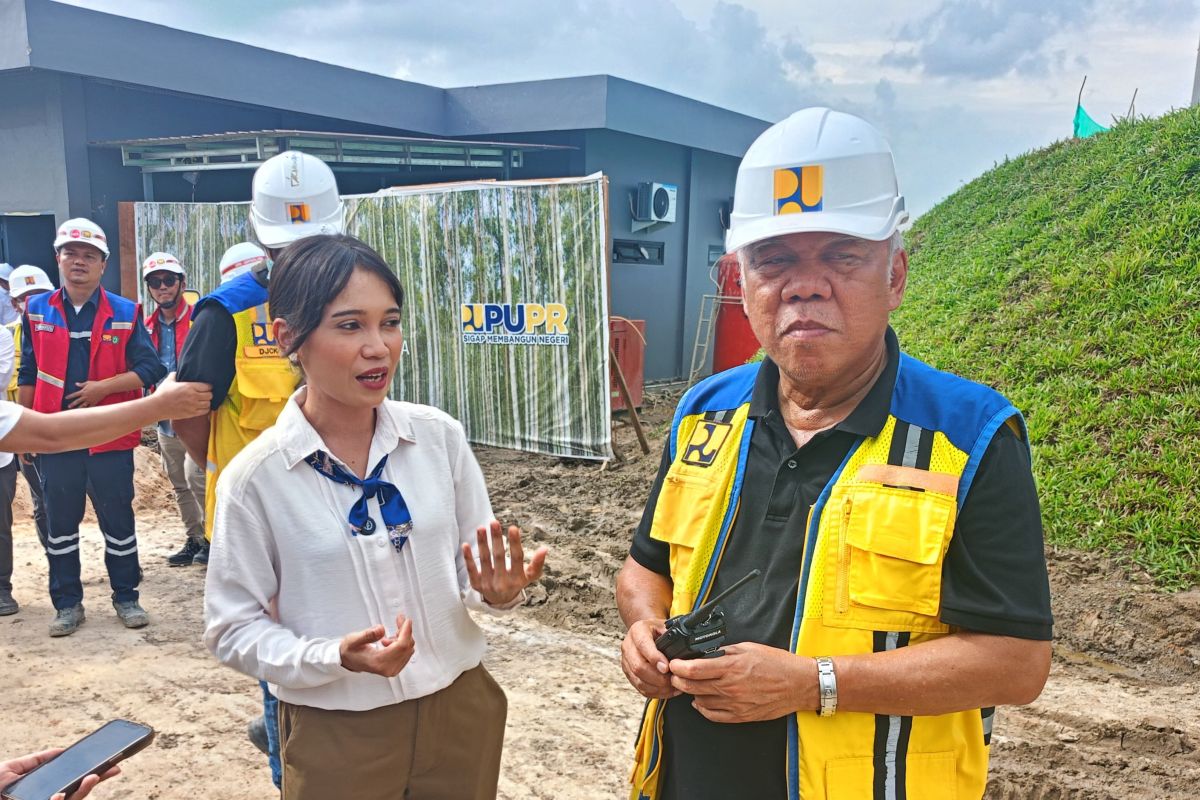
[{"x": 271, "y": 715}]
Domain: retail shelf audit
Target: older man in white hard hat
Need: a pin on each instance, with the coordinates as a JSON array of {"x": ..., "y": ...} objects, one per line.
[
  {"x": 232, "y": 348},
  {"x": 890, "y": 508}
]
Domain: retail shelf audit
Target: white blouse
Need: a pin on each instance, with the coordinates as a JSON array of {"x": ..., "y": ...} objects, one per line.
[{"x": 281, "y": 532}]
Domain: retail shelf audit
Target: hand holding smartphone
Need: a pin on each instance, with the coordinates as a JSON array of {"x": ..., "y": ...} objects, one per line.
[{"x": 94, "y": 754}]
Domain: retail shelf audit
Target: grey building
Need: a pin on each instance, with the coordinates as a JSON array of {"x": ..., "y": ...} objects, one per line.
[{"x": 84, "y": 128}]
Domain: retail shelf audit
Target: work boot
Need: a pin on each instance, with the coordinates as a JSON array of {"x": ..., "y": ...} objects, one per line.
[
  {"x": 131, "y": 614},
  {"x": 7, "y": 604},
  {"x": 184, "y": 557},
  {"x": 67, "y": 620},
  {"x": 201, "y": 556},
  {"x": 257, "y": 731}
]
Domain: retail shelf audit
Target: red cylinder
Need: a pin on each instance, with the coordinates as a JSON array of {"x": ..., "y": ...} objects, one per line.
[{"x": 734, "y": 341}]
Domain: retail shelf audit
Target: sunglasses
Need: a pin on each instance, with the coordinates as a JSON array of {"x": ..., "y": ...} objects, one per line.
[{"x": 168, "y": 280}]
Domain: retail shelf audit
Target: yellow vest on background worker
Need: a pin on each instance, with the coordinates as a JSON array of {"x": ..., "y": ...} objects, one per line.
[
  {"x": 15, "y": 329},
  {"x": 870, "y": 576},
  {"x": 263, "y": 381}
]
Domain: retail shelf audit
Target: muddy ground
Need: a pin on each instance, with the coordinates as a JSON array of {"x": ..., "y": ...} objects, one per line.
[{"x": 1119, "y": 719}]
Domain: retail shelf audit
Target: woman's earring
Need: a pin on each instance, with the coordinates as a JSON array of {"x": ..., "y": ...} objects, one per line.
[{"x": 295, "y": 359}]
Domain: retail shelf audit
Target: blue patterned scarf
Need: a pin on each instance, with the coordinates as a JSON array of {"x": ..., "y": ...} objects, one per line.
[{"x": 391, "y": 502}]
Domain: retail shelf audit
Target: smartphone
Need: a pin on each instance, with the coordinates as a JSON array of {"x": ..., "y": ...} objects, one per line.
[{"x": 93, "y": 754}]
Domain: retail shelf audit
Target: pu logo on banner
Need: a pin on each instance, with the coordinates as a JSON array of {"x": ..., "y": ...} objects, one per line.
[
  {"x": 706, "y": 441},
  {"x": 799, "y": 189},
  {"x": 262, "y": 345},
  {"x": 517, "y": 323}
]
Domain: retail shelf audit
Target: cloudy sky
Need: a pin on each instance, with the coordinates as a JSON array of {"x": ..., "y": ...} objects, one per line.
[{"x": 956, "y": 84}]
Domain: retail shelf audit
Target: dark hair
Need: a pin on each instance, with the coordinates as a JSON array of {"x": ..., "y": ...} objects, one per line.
[{"x": 314, "y": 270}]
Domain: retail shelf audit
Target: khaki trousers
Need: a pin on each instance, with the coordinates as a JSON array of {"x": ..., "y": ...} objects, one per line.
[
  {"x": 445, "y": 746},
  {"x": 187, "y": 479}
]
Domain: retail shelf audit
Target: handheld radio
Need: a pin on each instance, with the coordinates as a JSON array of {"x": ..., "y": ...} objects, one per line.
[{"x": 701, "y": 633}]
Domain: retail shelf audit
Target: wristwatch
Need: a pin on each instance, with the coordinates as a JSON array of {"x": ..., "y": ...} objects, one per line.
[{"x": 826, "y": 686}]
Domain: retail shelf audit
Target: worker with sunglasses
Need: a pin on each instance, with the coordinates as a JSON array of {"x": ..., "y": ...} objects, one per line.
[{"x": 168, "y": 326}]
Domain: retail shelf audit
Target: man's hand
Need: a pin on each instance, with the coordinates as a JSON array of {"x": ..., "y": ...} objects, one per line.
[
  {"x": 375, "y": 652},
  {"x": 497, "y": 578},
  {"x": 645, "y": 667},
  {"x": 750, "y": 682},
  {"x": 10, "y": 771},
  {"x": 89, "y": 395},
  {"x": 182, "y": 400}
]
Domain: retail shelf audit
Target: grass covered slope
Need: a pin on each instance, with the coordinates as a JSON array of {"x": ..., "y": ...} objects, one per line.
[{"x": 1069, "y": 279}]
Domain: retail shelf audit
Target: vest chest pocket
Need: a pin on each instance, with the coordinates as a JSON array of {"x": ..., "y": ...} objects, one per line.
[
  {"x": 264, "y": 389},
  {"x": 683, "y": 518},
  {"x": 890, "y": 547}
]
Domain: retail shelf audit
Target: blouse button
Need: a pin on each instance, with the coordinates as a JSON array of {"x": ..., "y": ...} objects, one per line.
[
  {"x": 380, "y": 542},
  {"x": 791, "y": 464}
]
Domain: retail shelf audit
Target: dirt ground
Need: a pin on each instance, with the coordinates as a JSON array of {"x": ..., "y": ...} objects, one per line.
[{"x": 1119, "y": 719}]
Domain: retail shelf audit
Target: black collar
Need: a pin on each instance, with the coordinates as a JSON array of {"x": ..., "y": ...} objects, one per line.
[{"x": 867, "y": 418}]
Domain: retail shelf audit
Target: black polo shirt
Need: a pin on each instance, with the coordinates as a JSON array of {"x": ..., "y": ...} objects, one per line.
[{"x": 994, "y": 576}]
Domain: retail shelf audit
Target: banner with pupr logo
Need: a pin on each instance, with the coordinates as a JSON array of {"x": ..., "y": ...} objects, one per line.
[{"x": 506, "y": 299}]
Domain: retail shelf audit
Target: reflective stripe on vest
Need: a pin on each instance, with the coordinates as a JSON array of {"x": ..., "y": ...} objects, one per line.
[{"x": 870, "y": 576}]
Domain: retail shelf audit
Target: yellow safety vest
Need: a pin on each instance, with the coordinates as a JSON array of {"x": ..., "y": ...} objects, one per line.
[
  {"x": 15, "y": 328},
  {"x": 263, "y": 381},
  {"x": 870, "y": 577}
]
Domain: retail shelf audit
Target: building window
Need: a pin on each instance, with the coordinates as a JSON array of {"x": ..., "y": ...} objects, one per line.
[{"x": 633, "y": 251}]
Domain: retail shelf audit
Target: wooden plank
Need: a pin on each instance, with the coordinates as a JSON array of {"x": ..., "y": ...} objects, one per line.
[
  {"x": 624, "y": 389},
  {"x": 127, "y": 258}
]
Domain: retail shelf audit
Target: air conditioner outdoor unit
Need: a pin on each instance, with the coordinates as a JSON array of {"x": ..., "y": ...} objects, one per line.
[{"x": 656, "y": 202}]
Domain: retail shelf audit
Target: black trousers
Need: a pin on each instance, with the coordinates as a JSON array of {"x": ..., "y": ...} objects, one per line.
[
  {"x": 107, "y": 478},
  {"x": 33, "y": 477},
  {"x": 8, "y": 487}
]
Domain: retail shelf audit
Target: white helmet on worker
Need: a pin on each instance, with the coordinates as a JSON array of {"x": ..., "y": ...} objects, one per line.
[
  {"x": 81, "y": 230},
  {"x": 242, "y": 257},
  {"x": 162, "y": 262},
  {"x": 294, "y": 195},
  {"x": 28, "y": 278},
  {"x": 817, "y": 170}
]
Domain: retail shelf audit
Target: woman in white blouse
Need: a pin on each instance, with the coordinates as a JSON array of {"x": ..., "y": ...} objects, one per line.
[{"x": 341, "y": 567}]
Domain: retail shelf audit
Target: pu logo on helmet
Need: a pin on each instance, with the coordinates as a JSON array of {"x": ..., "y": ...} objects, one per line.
[
  {"x": 298, "y": 213},
  {"x": 516, "y": 323},
  {"x": 30, "y": 280},
  {"x": 705, "y": 443},
  {"x": 799, "y": 189}
]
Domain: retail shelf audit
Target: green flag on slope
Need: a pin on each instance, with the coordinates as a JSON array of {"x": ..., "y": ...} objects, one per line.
[{"x": 1085, "y": 126}]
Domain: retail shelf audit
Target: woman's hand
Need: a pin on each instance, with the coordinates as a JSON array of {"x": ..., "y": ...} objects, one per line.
[
  {"x": 375, "y": 652},
  {"x": 10, "y": 771},
  {"x": 182, "y": 400},
  {"x": 497, "y": 578}
]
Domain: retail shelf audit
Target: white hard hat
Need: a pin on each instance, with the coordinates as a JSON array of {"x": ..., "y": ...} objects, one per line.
[
  {"x": 817, "y": 170},
  {"x": 81, "y": 230},
  {"x": 5, "y": 270},
  {"x": 28, "y": 278},
  {"x": 162, "y": 262},
  {"x": 242, "y": 257},
  {"x": 294, "y": 195}
]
